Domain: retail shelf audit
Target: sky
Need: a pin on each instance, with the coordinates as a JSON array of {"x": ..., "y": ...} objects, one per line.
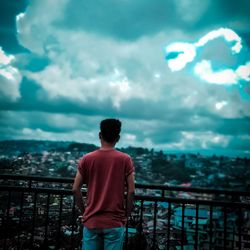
[{"x": 176, "y": 73}]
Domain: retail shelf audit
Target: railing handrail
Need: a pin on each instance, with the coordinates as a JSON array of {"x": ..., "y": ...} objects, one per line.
[
  {"x": 137, "y": 185},
  {"x": 232, "y": 204}
]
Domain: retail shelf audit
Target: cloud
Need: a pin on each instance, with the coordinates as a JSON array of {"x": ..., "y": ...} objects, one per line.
[
  {"x": 243, "y": 72},
  {"x": 204, "y": 70},
  {"x": 186, "y": 53},
  {"x": 10, "y": 77},
  {"x": 33, "y": 28},
  {"x": 229, "y": 36},
  {"x": 58, "y": 82}
]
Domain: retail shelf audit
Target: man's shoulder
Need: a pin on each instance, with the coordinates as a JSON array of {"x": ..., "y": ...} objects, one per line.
[
  {"x": 122, "y": 154},
  {"x": 90, "y": 154}
]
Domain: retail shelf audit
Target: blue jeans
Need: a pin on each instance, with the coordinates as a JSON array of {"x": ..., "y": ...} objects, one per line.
[{"x": 107, "y": 239}]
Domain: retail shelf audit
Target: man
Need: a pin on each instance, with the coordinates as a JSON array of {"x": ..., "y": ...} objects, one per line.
[{"x": 107, "y": 173}]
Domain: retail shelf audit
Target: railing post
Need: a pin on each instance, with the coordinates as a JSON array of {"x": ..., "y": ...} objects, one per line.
[
  {"x": 210, "y": 227},
  {"x": 182, "y": 225},
  {"x": 47, "y": 221},
  {"x": 154, "y": 226},
  {"x": 59, "y": 223},
  {"x": 20, "y": 220},
  {"x": 196, "y": 226},
  {"x": 239, "y": 227},
  {"x": 169, "y": 224},
  {"x": 33, "y": 220},
  {"x": 141, "y": 226},
  {"x": 73, "y": 220},
  {"x": 6, "y": 231},
  {"x": 225, "y": 227},
  {"x": 162, "y": 193}
]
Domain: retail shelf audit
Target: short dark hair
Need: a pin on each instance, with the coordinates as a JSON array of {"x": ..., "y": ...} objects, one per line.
[{"x": 110, "y": 129}]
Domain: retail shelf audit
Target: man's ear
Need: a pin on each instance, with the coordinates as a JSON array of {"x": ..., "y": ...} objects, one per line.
[
  {"x": 100, "y": 135},
  {"x": 118, "y": 138}
]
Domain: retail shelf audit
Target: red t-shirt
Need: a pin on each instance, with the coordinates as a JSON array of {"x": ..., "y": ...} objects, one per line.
[{"x": 105, "y": 172}]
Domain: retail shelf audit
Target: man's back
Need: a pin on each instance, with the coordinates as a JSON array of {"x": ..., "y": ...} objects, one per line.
[{"x": 105, "y": 173}]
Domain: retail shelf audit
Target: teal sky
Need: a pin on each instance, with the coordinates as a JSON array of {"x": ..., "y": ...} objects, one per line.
[{"x": 177, "y": 73}]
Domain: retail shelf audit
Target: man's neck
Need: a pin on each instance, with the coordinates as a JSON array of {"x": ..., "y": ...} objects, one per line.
[{"x": 107, "y": 146}]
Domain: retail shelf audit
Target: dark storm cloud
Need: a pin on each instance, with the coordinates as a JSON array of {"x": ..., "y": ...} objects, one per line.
[
  {"x": 34, "y": 99},
  {"x": 122, "y": 19},
  {"x": 222, "y": 11},
  {"x": 240, "y": 143},
  {"x": 130, "y": 20},
  {"x": 32, "y": 62},
  {"x": 240, "y": 126},
  {"x": 8, "y": 34}
]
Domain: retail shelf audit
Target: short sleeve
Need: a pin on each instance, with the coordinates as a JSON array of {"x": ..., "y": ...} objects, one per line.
[
  {"x": 129, "y": 166},
  {"x": 82, "y": 168}
]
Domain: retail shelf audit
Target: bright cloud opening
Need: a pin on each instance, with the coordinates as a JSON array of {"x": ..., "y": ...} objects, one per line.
[
  {"x": 204, "y": 70},
  {"x": 186, "y": 53},
  {"x": 220, "y": 105},
  {"x": 10, "y": 78},
  {"x": 244, "y": 71}
]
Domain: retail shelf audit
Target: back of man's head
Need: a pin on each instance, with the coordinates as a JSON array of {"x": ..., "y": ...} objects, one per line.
[{"x": 110, "y": 130}]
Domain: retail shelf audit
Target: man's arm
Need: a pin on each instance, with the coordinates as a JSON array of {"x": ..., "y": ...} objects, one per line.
[
  {"x": 76, "y": 189},
  {"x": 131, "y": 193}
]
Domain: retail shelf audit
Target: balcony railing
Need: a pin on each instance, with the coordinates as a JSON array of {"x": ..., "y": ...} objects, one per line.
[{"x": 40, "y": 213}]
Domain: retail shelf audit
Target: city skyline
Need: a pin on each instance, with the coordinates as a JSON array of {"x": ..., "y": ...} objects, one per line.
[{"x": 64, "y": 66}]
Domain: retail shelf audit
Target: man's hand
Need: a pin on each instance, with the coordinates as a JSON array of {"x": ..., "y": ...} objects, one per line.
[
  {"x": 80, "y": 219},
  {"x": 76, "y": 189},
  {"x": 130, "y": 203},
  {"x": 130, "y": 194}
]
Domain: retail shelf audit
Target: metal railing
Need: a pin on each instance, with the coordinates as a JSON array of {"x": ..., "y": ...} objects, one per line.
[{"x": 40, "y": 213}]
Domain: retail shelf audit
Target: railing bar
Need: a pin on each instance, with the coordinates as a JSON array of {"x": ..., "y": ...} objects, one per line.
[
  {"x": 59, "y": 222},
  {"x": 47, "y": 220},
  {"x": 239, "y": 227},
  {"x": 20, "y": 220},
  {"x": 182, "y": 225},
  {"x": 225, "y": 228},
  {"x": 73, "y": 220},
  {"x": 137, "y": 185},
  {"x": 6, "y": 232},
  {"x": 141, "y": 226},
  {"x": 162, "y": 193},
  {"x": 35, "y": 178},
  {"x": 33, "y": 220},
  {"x": 210, "y": 227},
  {"x": 169, "y": 224},
  {"x": 196, "y": 225},
  {"x": 127, "y": 217},
  {"x": 126, "y": 235},
  {"x": 155, "y": 221}
]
